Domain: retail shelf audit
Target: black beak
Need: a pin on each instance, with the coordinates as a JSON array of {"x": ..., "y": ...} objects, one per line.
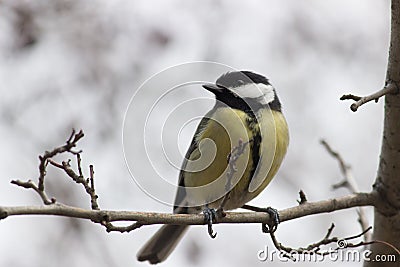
[{"x": 214, "y": 88}]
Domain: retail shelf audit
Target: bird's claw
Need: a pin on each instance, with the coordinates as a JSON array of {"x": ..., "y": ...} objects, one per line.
[
  {"x": 274, "y": 215},
  {"x": 210, "y": 216}
]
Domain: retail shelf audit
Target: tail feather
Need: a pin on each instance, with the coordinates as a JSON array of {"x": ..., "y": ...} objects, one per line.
[{"x": 163, "y": 242}]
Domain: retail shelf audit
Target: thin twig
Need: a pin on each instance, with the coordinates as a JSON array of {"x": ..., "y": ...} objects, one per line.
[
  {"x": 93, "y": 196},
  {"x": 303, "y": 198},
  {"x": 316, "y": 248},
  {"x": 31, "y": 185},
  {"x": 44, "y": 159},
  {"x": 122, "y": 229},
  {"x": 66, "y": 166},
  {"x": 390, "y": 88},
  {"x": 79, "y": 161},
  {"x": 350, "y": 183},
  {"x": 358, "y": 235}
]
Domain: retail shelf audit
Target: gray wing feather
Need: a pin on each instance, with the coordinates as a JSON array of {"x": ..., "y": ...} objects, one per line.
[{"x": 179, "y": 205}]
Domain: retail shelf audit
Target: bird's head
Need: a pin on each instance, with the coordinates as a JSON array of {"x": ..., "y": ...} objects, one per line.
[{"x": 244, "y": 90}]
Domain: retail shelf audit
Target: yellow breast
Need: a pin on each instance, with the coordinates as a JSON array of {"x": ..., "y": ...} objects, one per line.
[{"x": 206, "y": 175}]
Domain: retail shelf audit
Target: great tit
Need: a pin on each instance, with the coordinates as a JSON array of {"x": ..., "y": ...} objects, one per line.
[{"x": 247, "y": 116}]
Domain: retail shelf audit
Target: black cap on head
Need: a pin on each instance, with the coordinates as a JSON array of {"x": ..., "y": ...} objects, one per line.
[
  {"x": 239, "y": 78},
  {"x": 235, "y": 90}
]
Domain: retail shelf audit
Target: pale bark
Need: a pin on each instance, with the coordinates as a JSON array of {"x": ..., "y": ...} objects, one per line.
[{"x": 387, "y": 184}]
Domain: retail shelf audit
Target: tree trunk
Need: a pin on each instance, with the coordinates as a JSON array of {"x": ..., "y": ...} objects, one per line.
[{"x": 387, "y": 184}]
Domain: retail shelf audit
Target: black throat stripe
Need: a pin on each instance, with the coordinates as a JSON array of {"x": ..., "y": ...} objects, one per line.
[{"x": 255, "y": 144}]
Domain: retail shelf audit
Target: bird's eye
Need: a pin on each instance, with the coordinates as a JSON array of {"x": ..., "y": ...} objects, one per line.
[{"x": 241, "y": 82}]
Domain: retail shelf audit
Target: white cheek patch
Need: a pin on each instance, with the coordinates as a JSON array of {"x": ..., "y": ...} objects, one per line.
[{"x": 263, "y": 93}]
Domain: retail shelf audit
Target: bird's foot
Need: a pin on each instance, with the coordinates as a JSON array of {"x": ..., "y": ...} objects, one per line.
[
  {"x": 210, "y": 216},
  {"x": 273, "y": 225}
]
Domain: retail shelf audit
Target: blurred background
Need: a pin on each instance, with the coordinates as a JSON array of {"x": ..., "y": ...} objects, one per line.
[{"x": 66, "y": 64}]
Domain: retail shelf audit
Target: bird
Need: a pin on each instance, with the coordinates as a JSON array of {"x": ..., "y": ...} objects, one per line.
[{"x": 237, "y": 149}]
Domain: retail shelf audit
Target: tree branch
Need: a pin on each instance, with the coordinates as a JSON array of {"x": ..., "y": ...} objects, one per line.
[
  {"x": 80, "y": 179},
  {"x": 105, "y": 218},
  {"x": 387, "y": 183},
  {"x": 44, "y": 160},
  {"x": 71, "y": 143},
  {"x": 350, "y": 183},
  {"x": 31, "y": 185},
  {"x": 147, "y": 218},
  {"x": 390, "y": 88},
  {"x": 139, "y": 219},
  {"x": 316, "y": 248}
]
